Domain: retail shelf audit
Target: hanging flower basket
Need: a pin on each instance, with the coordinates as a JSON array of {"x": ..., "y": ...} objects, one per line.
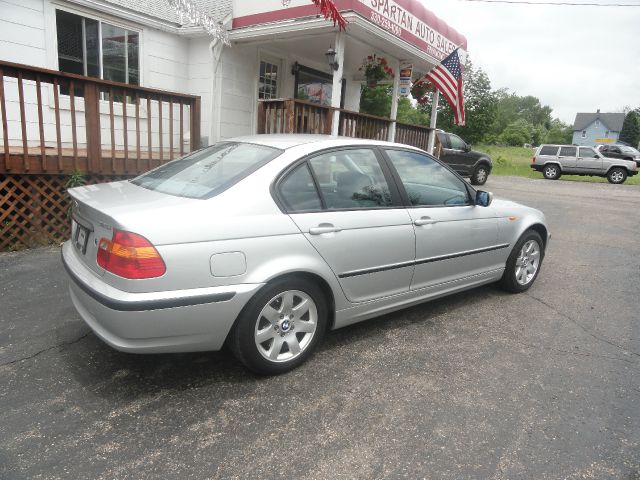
[{"x": 375, "y": 69}]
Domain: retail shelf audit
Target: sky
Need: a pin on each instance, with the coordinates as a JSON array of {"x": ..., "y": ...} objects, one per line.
[{"x": 573, "y": 58}]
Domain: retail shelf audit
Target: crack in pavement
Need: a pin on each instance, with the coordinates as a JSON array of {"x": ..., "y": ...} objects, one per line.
[
  {"x": 63, "y": 344},
  {"x": 583, "y": 328},
  {"x": 570, "y": 352}
]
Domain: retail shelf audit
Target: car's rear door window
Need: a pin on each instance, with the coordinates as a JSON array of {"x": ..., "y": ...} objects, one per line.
[
  {"x": 298, "y": 191},
  {"x": 549, "y": 150},
  {"x": 426, "y": 182},
  {"x": 567, "y": 151},
  {"x": 351, "y": 178},
  {"x": 207, "y": 172}
]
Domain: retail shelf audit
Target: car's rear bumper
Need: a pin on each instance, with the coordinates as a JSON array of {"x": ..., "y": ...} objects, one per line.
[{"x": 153, "y": 322}]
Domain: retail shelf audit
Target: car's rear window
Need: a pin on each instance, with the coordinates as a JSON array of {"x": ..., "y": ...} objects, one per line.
[
  {"x": 207, "y": 172},
  {"x": 548, "y": 150}
]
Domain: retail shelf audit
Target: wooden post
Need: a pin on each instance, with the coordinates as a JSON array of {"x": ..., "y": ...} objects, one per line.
[
  {"x": 261, "y": 117},
  {"x": 289, "y": 116},
  {"x": 92, "y": 126},
  {"x": 336, "y": 92},
  {"x": 195, "y": 124},
  {"x": 433, "y": 120},
  {"x": 3, "y": 113},
  {"x": 394, "y": 103}
]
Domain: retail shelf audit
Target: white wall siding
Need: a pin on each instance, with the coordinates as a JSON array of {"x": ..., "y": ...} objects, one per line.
[
  {"x": 22, "y": 31},
  {"x": 238, "y": 91},
  {"x": 200, "y": 80}
]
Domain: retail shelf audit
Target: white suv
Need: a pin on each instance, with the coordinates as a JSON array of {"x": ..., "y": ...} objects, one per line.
[{"x": 554, "y": 160}]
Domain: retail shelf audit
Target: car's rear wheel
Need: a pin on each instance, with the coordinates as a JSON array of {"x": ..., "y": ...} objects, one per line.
[
  {"x": 280, "y": 327},
  {"x": 480, "y": 175},
  {"x": 551, "y": 172},
  {"x": 617, "y": 175},
  {"x": 523, "y": 264}
]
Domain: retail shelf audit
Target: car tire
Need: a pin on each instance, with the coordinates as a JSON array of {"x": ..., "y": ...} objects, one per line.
[
  {"x": 480, "y": 175},
  {"x": 617, "y": 175},
  {"x": 551, "y": 171},
  {"x": 280, "y": 326},
  {"x": 524, "y": 262}
]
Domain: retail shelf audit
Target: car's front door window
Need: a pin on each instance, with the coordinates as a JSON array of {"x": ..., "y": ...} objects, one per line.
[
  {"x": 426, "y": 182},
  {"x": 351, "y": 178},
  {"x": 457, "y": 143}
]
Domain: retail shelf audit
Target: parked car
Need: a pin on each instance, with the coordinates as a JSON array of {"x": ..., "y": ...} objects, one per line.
[
  {"x": 458, "y": 155},
  {"x": 265, "y": 242},
  {"x": 620, "y": 151},
  {"x": 554, "y": 160}
]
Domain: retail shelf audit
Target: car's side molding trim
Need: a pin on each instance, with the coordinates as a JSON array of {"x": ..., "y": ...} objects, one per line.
[
  {"x": 366, "y": 271},
  {"x": 461, "y": 254},
  {"x": 144, "y": 305}
]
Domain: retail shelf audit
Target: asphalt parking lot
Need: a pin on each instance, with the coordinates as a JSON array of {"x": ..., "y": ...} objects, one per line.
[{"x": 484, "y": 384}]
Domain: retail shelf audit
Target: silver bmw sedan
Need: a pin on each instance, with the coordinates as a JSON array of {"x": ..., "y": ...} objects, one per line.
[{"x": 265, "y": 242}]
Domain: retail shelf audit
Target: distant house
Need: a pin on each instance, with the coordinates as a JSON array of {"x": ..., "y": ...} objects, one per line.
[{"x": 597, "y": 128}]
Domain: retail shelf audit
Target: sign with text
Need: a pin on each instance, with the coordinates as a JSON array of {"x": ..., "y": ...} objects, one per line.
[
  {"x": 403, "y": 23},
  {"x": 406, "y": 70}
]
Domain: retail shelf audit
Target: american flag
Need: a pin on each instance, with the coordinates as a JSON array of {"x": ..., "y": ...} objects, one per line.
[{"x": 447, "y": 77}]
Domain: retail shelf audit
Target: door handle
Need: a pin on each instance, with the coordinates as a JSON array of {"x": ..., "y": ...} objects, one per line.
[
  {"x": 324, "y": 228},
  {"x": 424, "y": 221}
]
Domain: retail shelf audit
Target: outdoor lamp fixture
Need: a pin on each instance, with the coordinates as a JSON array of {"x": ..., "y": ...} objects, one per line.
[{"x": 331, "y": 58}]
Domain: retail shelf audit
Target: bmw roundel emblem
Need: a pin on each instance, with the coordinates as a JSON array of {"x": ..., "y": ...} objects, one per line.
[{"x": 285, "y": 325}]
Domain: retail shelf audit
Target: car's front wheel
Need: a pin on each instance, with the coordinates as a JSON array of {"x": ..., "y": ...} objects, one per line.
[
  {"x": 523, "y": 264},
  {"x": 280, "y": 327},
  {"x": 551, "y": 172},
  {"x": 480, "y": 175},
  {"x": 617, "y": 175}
]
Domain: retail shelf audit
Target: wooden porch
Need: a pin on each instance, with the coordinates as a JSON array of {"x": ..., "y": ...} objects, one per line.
[
  {"x": 298, "y": 116},
  {"x": 55, "y": 124}
]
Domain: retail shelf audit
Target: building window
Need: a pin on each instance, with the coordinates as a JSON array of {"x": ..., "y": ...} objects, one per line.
[
  {"x": 584, "y": 134},
  {"x": 268, "y": 80},
  {"x": 97, "y": 49},
  {"x": 597, "y": 123},
  {"x": 606, "y": 134}
]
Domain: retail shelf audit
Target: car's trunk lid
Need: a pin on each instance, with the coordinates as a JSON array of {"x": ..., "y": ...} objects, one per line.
[{"x": 98, "y": 209}]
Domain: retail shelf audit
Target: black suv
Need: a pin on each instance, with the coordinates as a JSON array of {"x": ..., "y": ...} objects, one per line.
[
  {"x": 459, "y": 156},
  {"x": 620, "y": 151}
]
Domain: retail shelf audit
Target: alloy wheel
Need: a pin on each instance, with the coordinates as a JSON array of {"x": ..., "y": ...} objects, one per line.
[
  {"x": 286, "y": 325},
  {"x": 528, "y": 262}
]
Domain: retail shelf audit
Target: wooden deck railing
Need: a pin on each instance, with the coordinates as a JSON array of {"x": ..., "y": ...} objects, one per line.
[
  {"x": 290, "y": 115},
  {"x": 415, "y": 135},
  {"x": 55, "y": 122},
  {"x": 361, "y": 125}
]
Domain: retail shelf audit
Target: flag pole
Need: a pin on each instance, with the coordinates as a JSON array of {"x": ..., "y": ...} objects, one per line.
[{"x": 434, "y": 118}]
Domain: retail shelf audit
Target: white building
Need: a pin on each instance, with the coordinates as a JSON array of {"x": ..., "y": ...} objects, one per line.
[{"x": 277, "y": 50}]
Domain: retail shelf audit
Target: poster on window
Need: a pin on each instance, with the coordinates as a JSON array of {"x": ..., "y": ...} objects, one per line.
[{"x": 406, "y": 70}]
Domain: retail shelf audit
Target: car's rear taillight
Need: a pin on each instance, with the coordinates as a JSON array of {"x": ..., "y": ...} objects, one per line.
[
  {"x": 533, "y": 160},
  {"x": 130, "y": 255}
]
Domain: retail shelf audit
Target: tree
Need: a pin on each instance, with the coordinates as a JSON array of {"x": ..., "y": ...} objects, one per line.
[
  {"x": 517, "y": 133},
  {"x": 630, "y": 132},
  {"x": 407, "y": 113},
  {"x": 559, "y": 132},
  {"x": 376, "y": 101}
]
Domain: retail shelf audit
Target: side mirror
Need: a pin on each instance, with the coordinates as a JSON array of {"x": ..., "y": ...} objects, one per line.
[
  {"x": 467, "y": 148},
  {"x": 484, "y": 199}
]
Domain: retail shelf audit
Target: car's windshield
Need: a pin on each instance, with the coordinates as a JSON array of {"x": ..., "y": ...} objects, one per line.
[
  {"x": 207, "y": 172},
  {"x": 630, "y": 150}
]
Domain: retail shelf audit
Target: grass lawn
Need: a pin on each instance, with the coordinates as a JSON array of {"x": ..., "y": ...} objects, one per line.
[{"x": 515, "y": 161}]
